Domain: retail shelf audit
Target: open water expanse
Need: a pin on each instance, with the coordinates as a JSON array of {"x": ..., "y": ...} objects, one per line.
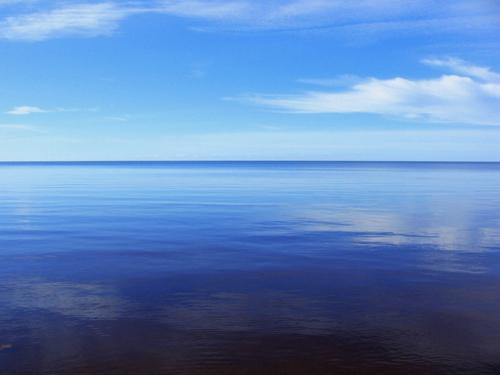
[{"x": 250, "y": 268}]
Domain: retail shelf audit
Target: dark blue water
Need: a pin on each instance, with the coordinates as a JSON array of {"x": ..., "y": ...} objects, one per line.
[{"x": 249, "y": 268}]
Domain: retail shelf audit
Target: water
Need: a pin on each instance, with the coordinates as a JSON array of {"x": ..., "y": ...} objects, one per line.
[{"x": 249, "y": 268}]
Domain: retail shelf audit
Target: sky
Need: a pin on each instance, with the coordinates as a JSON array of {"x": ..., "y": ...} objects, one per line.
[{"x": 415, "y": 80}]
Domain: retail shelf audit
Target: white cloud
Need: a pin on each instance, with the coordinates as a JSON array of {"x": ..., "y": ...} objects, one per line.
[
  {"x": 463, "y": 67},
  {"x": 365, "y": 16},
  {"x": 28, "y": 110},
  {"x": 470, "y": 98},
  {"x": 79, "y": 19},
  {"x": 94, "y": 19},
  {"x": 25, "y": 110}
]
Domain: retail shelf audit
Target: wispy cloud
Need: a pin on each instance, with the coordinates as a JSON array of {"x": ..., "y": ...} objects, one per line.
[
  {"x": 469, "y": 97},
  {"x": 463, "y": 67},
  {"x": 205, "y": 9},
  {"x": 122, "y": 118},
  {"x": 25, "y": 110},
  {"x": 342, "y": 80},
  {"x": 17, "y": 127},
  {"x": 79, "y": 19},
  {"x": 367, "y": 16},
  {"x": 95, "y": 19}
]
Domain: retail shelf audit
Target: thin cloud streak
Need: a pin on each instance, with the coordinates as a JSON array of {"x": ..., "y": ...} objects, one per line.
[
  {"x": 366, "y": 16},
  {"x": 205, "y": 9},
  {"x": 80, "y": 19},
  {"x": 471, "y": 98},
  {"x": 463, "y": 67},
  {"x": 342, "y": 80},
  {"x": 17, "y": 127},
  {"x": 25, "y": 110}
]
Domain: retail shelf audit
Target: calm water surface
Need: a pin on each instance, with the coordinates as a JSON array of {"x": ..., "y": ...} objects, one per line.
[{"x": 250, "y": 268}]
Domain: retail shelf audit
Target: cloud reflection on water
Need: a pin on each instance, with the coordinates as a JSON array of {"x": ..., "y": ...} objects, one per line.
[
  {"x": 76, "y": 300},
  {"x": 452, "y": 231}
]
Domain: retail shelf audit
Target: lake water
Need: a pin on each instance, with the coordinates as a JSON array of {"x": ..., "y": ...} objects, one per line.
[{"x": 250, "y": 268}]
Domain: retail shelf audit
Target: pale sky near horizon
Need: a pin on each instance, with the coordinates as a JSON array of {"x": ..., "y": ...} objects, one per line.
[{"x": 250, "y": 80}]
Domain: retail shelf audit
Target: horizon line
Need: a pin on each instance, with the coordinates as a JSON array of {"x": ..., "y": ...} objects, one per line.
[{"x": 239, "y": 161}]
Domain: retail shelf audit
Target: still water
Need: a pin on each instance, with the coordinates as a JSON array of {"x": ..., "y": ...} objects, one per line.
[{"x": 249, "y": 268}]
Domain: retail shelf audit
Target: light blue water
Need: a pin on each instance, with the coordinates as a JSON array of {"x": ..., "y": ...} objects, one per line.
[{"x": 250, "y": 268}]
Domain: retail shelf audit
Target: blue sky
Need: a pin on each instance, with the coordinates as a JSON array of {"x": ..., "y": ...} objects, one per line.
[{"x": 250, "y": 80}]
